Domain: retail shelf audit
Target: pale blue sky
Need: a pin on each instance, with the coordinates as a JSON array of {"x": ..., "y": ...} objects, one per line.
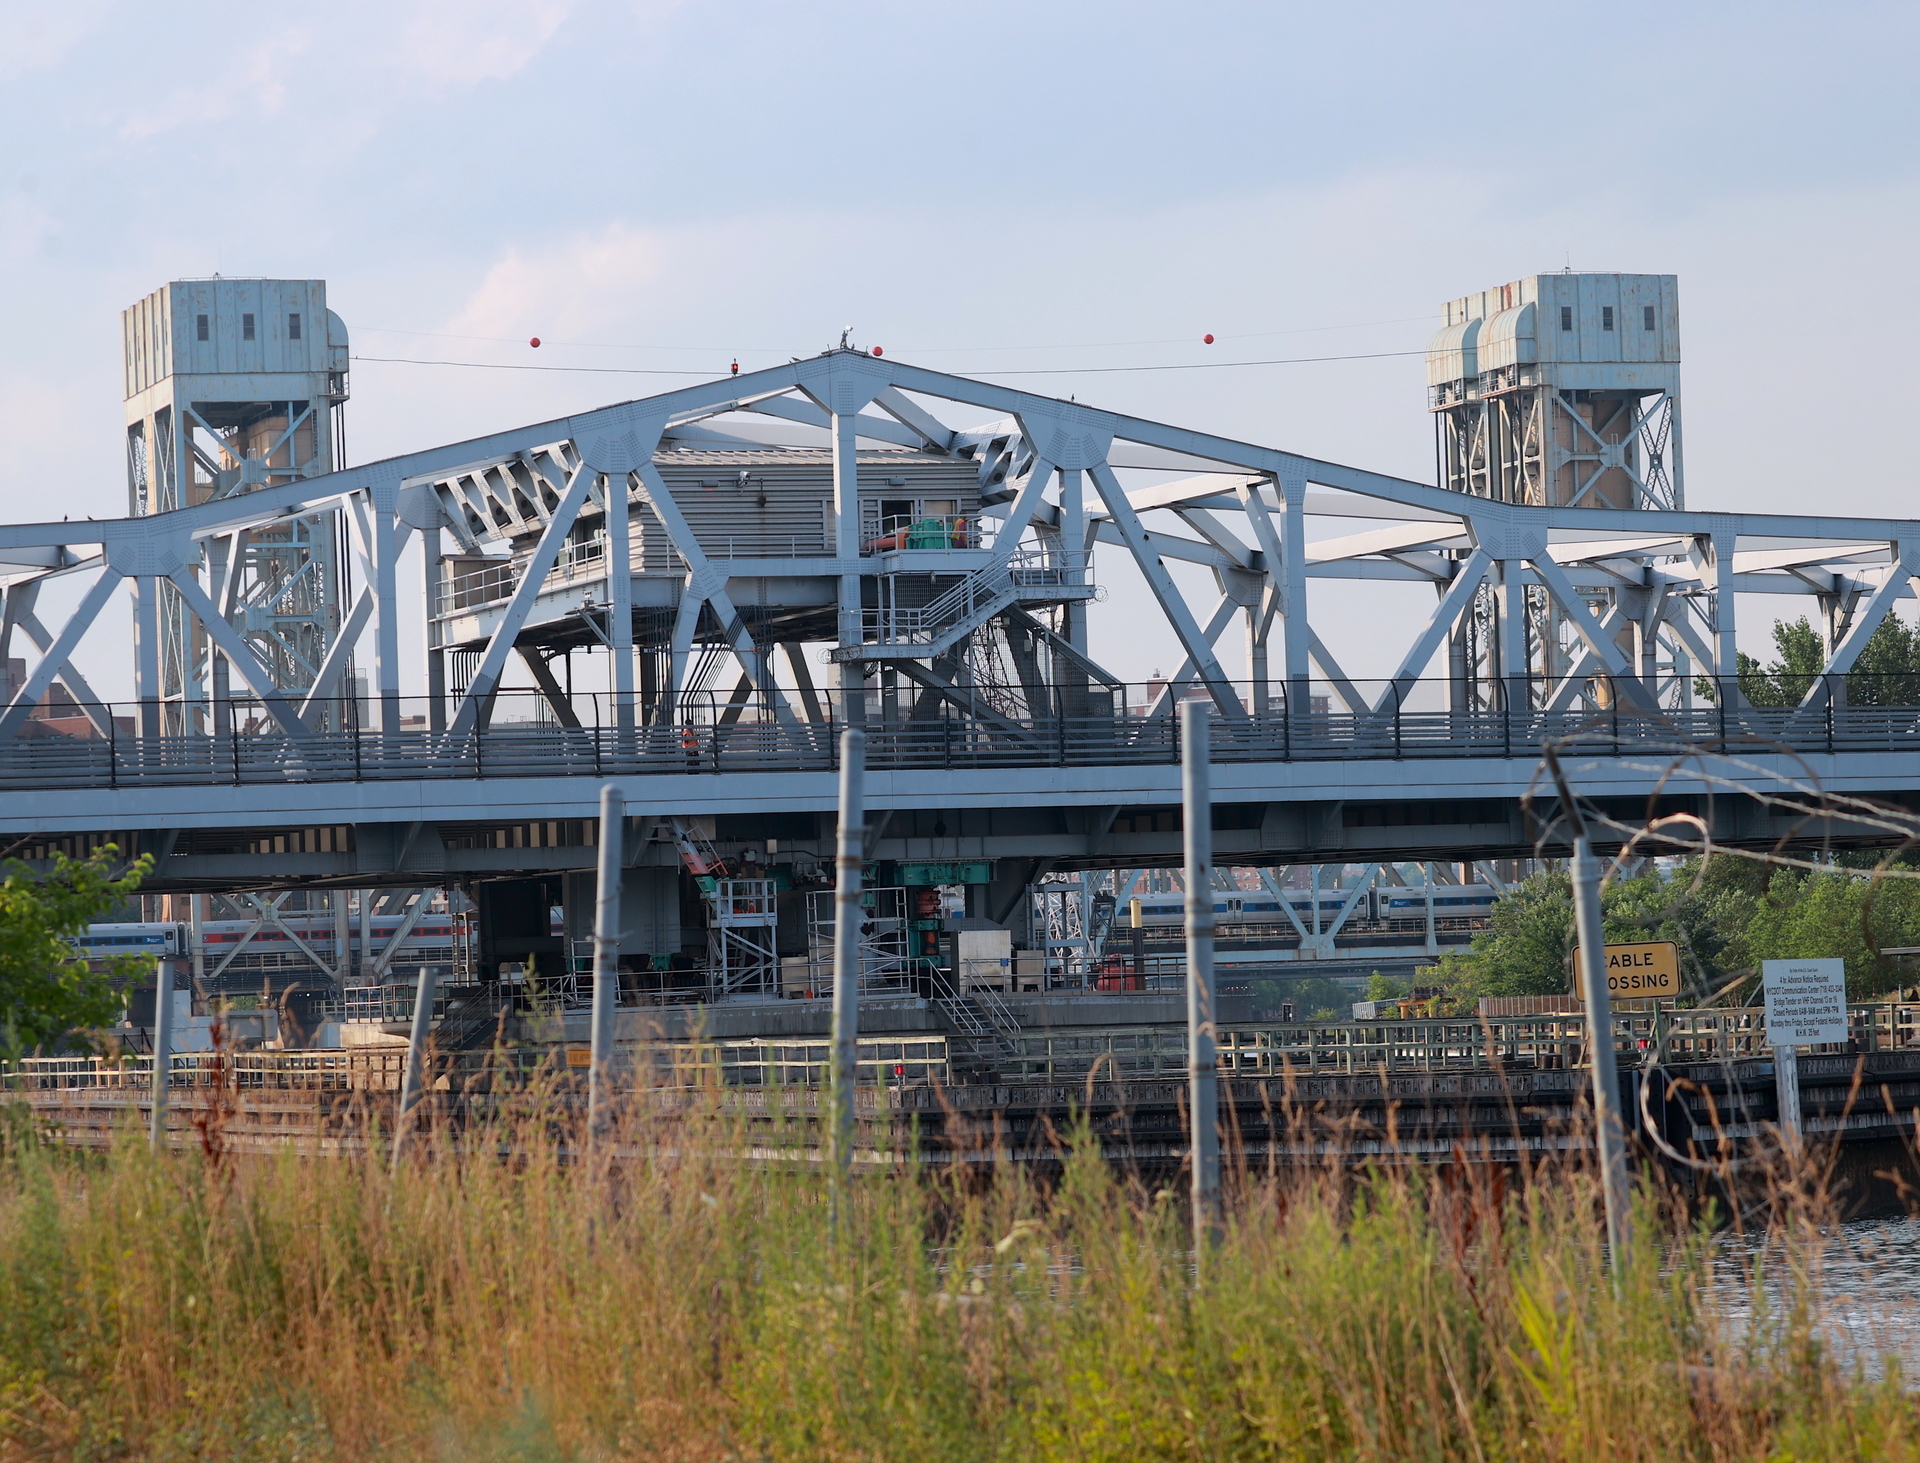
[{"x": 976, "y": 186}]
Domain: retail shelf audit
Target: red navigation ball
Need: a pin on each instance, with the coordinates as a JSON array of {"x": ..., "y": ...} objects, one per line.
[
  {"x": 736, "y": 368},
  {"x": 1206, "y": 340},
  {"x": 535, "y": 342},
  {"x": 876, "y": 350}
]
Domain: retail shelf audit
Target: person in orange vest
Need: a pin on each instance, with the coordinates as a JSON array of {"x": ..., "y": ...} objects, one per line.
[{"x": 690, "y": 744}]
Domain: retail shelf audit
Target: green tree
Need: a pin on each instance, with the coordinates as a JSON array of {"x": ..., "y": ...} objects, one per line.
[
  {"x": 1527, "y": 947},
  {"x": 1842, "y": 914},
  {"x": 46, "y": 989},
  {"x": 1887, "y": 672}
]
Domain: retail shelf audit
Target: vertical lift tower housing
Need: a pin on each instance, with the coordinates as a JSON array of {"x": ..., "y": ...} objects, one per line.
[
  {"x": 234, "y": 385},
  {"x": 1561, "y": 390}
]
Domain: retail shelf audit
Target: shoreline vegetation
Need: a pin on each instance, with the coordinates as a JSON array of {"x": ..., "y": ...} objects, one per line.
[{"x": 699, "y": 1303}]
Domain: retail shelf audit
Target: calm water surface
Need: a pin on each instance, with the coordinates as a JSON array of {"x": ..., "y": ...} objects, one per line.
[{"x": 1868, "y": 1281}]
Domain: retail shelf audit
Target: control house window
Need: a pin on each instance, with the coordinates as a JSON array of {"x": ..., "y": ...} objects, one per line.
[
  {"x": 1646, "y": 317},
  {"x": 246, "y": 327},
  {"x": 1566, "y": 317},
  {"x": 293, "y": 327},
  {"x": 200, "y": 327},
  {"x": 1606, "y": 317}
]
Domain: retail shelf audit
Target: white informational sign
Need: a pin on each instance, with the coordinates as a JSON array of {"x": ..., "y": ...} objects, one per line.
[{"x": 1806, "y": 1001}]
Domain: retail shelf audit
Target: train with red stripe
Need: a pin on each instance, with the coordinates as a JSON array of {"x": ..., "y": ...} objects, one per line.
[{"x": 255, "y": 945}]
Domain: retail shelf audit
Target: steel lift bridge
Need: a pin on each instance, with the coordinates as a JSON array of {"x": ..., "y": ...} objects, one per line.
[{"x": 925, "y": 568}]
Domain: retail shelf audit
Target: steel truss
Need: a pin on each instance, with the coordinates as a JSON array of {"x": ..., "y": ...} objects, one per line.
[{"x": 1636, "y": 602}]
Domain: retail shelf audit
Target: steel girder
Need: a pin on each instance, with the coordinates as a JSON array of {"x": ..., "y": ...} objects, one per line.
[{"x": 1649, "y": 595}]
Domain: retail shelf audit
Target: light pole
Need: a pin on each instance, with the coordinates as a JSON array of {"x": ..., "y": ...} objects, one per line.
[
  {"x": 849, "y": 860},
  {"x": 1203, "y": 1084}
]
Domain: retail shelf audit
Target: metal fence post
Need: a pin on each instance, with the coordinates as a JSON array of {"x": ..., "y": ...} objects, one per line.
[
  {"x": 1609, "y": 1135},
  {"x": 414, "y": 1075},
  {"x": 606, "y": 956},
  {"x": 849, "y": 861},
  {"x": 162, "y": 1048},
  {"x": 1203, "y": 1083},
  {"x": 1786, "y": 1088}
]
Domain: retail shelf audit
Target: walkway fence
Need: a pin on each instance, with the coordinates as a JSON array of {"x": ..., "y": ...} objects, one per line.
[
  {"x": 1098, "y": 1053},
  {"x": 713, "y": 736}
]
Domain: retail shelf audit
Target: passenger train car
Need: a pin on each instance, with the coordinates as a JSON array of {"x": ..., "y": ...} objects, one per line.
[
  {"x": 430, "y": 942},
  {"x": 1375, "y": 906}
]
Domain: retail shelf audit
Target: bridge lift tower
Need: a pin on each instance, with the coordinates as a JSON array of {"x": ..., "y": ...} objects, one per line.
[
  {"x": 233, "y": 385},
  {"x": 1558, "y": 390}
]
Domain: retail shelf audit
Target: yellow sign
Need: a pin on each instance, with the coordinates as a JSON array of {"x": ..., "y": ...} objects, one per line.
[
  {"x": 579, "y": 1056},
  {"x": 1651, "y": 969}
]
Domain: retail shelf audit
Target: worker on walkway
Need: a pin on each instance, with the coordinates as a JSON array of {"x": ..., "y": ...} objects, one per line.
[{"x": 690, "y": 744}]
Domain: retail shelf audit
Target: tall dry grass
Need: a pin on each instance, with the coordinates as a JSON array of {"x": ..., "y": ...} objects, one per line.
[{"x": 686, "y": 1304}]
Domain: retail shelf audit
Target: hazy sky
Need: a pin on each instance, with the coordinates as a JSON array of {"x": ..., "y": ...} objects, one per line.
[{"x": 977, "y": 187}]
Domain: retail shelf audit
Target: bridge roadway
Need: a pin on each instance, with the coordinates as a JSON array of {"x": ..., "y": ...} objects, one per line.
[{"x": 415, "y": 807}]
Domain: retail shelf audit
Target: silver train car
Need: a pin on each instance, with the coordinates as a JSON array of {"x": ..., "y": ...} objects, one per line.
[
  {"x": 1375, "y": 906},
  {"x": 106, "y": 941},
  {"x": 270, "y": 948}
]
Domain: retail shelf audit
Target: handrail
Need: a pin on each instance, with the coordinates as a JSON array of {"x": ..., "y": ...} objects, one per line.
[
  {"x": 238, "y": 745},
  {"x": 1549, "y": 1043}
]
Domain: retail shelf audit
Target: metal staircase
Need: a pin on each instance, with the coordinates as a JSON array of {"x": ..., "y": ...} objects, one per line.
[
  {"x": 893, "y": 631},
  {"x": 986, "y": 1022}
]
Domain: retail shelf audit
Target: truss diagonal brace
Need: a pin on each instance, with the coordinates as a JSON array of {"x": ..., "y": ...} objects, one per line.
[
  {"x": 1222, "y": 617},
  {"x": 83, "y": 694},
  {"x": 1039, "y": 474},
  {"x": 1465, "y": 583},
  {"x": 1866, "y": 620},
  {"x": 1175, "y": 608},
  {"x": 54, "y": 660},
  {"x": 1360, "y": 886},
  {"x": 710, "y": 585},
  {"x": 238, "y": 653},
  {"x": 338, "y": 653},
  {"x": 415, "y": 908},
  {"x": 1625, "y": 678},
  {"x": 896, "y": 404},
  {"x": 486, "y": 680}
]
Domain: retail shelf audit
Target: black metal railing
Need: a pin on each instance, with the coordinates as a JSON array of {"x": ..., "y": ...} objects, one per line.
[{"x": 241, "y": 745}]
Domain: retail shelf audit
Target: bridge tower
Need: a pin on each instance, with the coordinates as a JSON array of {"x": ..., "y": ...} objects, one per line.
[
  {"x": 1557, "y": 390},
  {"x": 233, "y": 385},
  {"x": 1562, "y": 389}
]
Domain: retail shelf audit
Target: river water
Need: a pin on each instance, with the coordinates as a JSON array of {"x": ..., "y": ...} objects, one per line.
[{"x": 1867, "y": 1278}]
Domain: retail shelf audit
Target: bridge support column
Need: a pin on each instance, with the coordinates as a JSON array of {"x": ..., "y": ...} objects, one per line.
[
  {"x": 1512, "y": 604},
  {"x": 436, "y": 656},
  {"x": 846, "y": 548},
  {"x": 146, "y": 651},
  {"x": 620, "y": 599}
]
